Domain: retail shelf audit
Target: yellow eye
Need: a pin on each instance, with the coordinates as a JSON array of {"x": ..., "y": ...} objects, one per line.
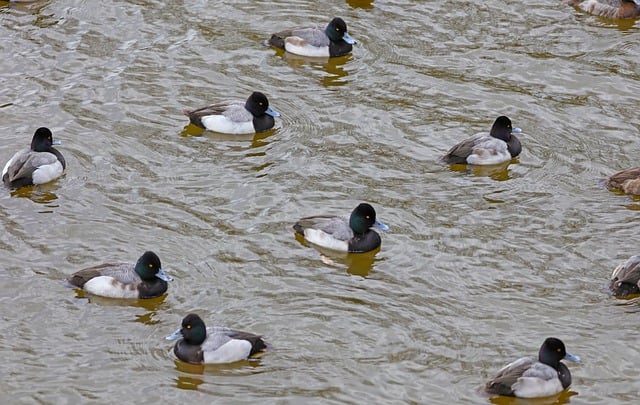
[
  {"x": 367, "y": 217},
  {"x": 188, "y": 326},
  {"x": 151, "y": 265},
  {"x": 558, "y": 350}
]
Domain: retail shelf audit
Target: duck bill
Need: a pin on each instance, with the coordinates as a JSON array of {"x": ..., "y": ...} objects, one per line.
[
  {"x": 380, "y": 226},
  {"x": 175, "y": 335},
  {"x": 163, "y": 276},
  {"x": 516, "y": 130},
  {"x": 56, "y": 143},
  {"x": 272, "y": 112},
  {"x": 572, "y": 357},
  {"x": 348, "y": 39}
]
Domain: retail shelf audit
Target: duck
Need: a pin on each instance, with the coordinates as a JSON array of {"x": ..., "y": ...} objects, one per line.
[
  {"x": 531, "y": 377},
  {"x": 331, "y": 42},
  {"x": 214, "y": 345},
  {"x": 351, "y": 234},
  {"x": 236, "y": 117},
  {"x": 144, "y": 279},
  {"x": 625, "y": 279},
  {"x": 38, "y": 164},
  {"x": 626, "y": 180},
  {"x": 498, "y": 146},
  {"x": 614, "y": 9}
]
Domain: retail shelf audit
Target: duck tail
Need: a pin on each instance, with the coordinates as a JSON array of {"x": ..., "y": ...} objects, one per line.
[{"x": 276, "y": 41}]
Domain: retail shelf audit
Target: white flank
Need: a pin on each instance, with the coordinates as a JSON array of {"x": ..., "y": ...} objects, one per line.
[
  {"x": 105, "y": 286},
  {"x": 488, "y": 157},
  {"x": 588, "y": 5},
  {"x": 533, "y": 387},
  {"x": 489, "y": 151},
  {"x": 233, "y": 350},
  {"x": 220, "y": 123},
  {"x": 323, "y": 239},
  {"x": 300, "y": 47},
  {"x": 46, "y": 173}
]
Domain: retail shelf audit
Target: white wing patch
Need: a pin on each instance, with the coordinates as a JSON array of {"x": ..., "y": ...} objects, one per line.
[
  {"x": 105, "y": 286},
  {"x": 220, "y": 123},
  {"x": 324, "y": 239},
  {"x": 233, "y": 350}
]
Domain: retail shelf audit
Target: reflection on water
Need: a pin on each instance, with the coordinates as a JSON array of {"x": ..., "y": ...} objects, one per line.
[
  {"x": 357, "y": 264},
  {"x": 562, "y": 398},
  {"x": 498, "y": 172},
  {"x": 256, "y": 140},
  {"x": 634, "y": 205},
  {"x": 150, "y": 304},
  {"x": 620, "y": 24},
  {"x": 189, "y": 383},
  {"x": 392, "y": 333},
  {"x": 148, "y": 318},
  {"x": 366, "y": 4},
  {"x": 632, "y": 300},
  {"x": 249, "y": 145},
  {"x": 261, "y": 139},
  {"x": 333, "y": 67},
  {"x": 192, "y": 130},
  {"x": 188, "y": 367},
  {"x": 32, "y": 6},
  {"x": 40, "y": 194}
]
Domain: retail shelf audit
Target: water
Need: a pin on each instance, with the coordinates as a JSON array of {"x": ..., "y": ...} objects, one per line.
[{"x": 479, "y": 267}]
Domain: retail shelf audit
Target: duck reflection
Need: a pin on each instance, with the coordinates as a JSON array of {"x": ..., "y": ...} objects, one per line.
[
  {"x": 39, "y": 194},
  {"x": 192, "y": 382},
  {"x": 188, "y": 367},
  {"x": 366, "y": 4},
  {"x": 149, "y": 304},
  {"x": 357, "y": 264},
  {"x": 188, "y": 383},
  {"x": 256, "y": 140},
  {"x": 31, "y": 6},
  {"x": 498, "y": 172},
  {"x": 563, "y": 397},
  {"x": 335, "y": 75}
]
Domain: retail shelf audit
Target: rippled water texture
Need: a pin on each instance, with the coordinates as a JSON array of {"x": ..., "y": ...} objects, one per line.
[{"x": 480, "y": 265}]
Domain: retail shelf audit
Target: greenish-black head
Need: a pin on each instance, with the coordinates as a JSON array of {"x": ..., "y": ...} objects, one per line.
[
  {"x": 149, "y": 267},
  {"x": 193, "y": 330},
  {"x": 363, "y": 217},
  {"x": 337, "y": 31},
  {"x": 552, "y": 351},
  {"x": 42, "y": 140}
]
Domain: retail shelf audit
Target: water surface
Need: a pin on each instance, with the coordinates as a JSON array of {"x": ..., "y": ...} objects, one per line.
[{"x": 480, "y": 265}]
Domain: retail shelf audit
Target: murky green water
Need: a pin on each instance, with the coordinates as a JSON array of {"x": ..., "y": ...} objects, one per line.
[{"x": 478, "y": 268}]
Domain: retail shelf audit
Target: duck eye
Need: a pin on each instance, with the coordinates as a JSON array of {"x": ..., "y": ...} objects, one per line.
[
  {"x": 150, "y": 265},
  {"x": 558, "y": 350},
  {"x": 367, "y": 217},
  {"x": 188, "y": 326}
]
